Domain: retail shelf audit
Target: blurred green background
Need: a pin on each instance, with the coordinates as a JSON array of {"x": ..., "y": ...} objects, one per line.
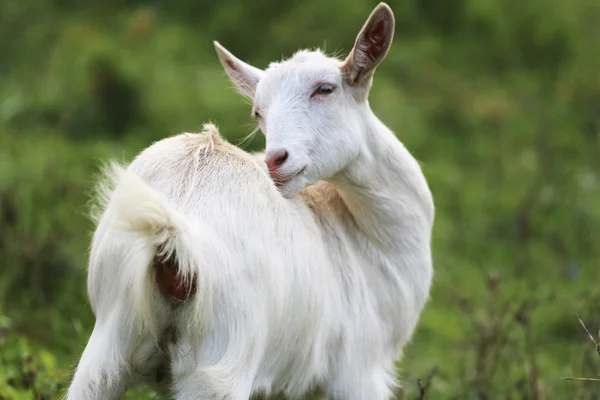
[{"x": 499, "y": 99}]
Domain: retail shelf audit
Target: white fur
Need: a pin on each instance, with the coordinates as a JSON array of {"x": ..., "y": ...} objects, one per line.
[{"x": 318, "y": 288}]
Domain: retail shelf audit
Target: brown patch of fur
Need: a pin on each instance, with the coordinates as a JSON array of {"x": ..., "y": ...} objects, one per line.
[{"x": 324, "y": 199}]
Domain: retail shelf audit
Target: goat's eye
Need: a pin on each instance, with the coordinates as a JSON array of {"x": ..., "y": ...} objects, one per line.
[{"x": 323, "y": 90}]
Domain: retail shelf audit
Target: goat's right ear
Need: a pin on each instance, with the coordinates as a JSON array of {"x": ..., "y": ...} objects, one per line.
[{"x": 243, "y": 75}]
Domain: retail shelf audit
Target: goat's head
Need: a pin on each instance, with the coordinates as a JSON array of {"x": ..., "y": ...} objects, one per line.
[{"x": 312, "y": 108}]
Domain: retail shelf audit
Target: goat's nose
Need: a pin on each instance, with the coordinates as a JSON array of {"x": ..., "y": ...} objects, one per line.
[{"x": 275, "y": 159}]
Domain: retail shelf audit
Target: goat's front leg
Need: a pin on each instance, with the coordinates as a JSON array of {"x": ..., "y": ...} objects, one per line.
[{"x": 101, "y": 373}]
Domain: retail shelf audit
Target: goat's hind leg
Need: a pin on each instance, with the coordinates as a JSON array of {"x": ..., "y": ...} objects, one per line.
[
  {"x": 202, "y": 382},
  {"x": 102, "y": 372},
  {"x": 211, "y": 370},
  {"x": 378, "y": 384}
]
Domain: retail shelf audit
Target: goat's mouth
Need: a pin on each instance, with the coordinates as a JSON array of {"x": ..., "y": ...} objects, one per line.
[{"x": 281, "y": 181}]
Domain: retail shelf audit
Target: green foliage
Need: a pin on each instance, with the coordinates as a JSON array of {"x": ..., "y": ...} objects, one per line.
[
  {"x": 500, "y": 101},
  {"x": 26, "y": 373}
]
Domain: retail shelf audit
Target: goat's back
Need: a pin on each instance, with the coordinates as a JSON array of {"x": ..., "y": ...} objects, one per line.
[{"x": 273, "y": 279}]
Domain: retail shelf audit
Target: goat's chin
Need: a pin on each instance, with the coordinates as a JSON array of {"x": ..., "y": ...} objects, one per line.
[{"x": 293, "y": 187}]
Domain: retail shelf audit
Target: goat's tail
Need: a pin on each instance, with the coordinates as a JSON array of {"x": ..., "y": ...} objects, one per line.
[{"x": 167, "y": 255}]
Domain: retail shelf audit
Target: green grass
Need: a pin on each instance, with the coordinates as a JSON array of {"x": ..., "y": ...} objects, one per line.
[{"x": 500, "y": 101}]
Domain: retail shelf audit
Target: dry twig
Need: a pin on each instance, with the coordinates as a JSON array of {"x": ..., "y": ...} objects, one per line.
[
  {"x": 580, "y": 379},
  {"x": 423, "y": 388},
  {"x": 596, "y": 346}
]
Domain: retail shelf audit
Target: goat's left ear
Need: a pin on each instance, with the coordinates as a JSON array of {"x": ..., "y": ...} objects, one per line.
[
  {"x": 370, "y": 47},
  {"x": 243, "y": 75}
]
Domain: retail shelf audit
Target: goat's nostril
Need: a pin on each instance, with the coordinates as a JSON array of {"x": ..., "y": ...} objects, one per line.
[
  {"x": 281, "y": 159},
  {"x": 276, "y": 159}
]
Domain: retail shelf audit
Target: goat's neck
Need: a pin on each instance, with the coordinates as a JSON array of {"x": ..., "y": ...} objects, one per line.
[{"x": 386, "y": 192}]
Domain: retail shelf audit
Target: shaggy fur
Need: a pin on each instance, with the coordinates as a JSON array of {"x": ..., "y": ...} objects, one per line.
[{"x": 317, "y": 282}]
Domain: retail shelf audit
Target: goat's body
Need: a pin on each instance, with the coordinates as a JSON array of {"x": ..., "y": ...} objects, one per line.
[
  {"x": 236, "y": 282},
  {"x": 290, "y": 294}
]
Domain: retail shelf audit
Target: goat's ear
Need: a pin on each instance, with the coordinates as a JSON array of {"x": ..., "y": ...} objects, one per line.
[
  {"x": 243, "y": 75},
  {"x": 370, "y": 47}
]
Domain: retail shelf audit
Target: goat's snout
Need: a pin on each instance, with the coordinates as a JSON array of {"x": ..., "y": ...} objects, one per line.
[{"x": 275, "y": 159}]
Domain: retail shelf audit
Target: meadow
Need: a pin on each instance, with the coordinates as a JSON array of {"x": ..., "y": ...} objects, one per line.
[{"x": 498, "y": 99}]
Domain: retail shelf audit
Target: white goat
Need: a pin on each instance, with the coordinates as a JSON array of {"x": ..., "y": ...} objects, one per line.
[{"x": 213, "y": 280}]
